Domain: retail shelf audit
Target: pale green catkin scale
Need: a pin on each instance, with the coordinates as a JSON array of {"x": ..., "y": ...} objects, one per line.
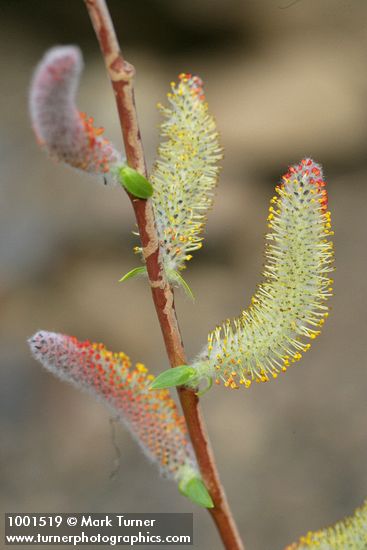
[
  {"x": 185, "y": 174},
  {"x": 289, "y": 307},
  {"x": 349, "y": 534}
]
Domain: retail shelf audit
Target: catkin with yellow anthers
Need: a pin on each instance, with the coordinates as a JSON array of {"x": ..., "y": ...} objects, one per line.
[
  {"x": 185, "y": 174},
  {"x": 348, "y": 534},
  {"x": 151, "y": 416},
  {"x": 290, "y": 305}
]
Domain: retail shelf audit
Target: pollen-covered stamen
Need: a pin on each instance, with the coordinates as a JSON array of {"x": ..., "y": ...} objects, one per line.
[
  {"x": 67, "y": 134},
  {"x": 195, "y": 83},
  {"x": 290, "y": 305},
  {"x": 350, "y": 533},
  {"x": 151, "y": 416},
  {"x": 186, "y": 171}
]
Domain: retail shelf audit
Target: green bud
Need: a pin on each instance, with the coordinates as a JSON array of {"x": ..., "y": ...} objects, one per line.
[
  {"x": 173, "y": 377},
  {"x": 135, "y": 183},
  {"x": 195, "y": 490}
]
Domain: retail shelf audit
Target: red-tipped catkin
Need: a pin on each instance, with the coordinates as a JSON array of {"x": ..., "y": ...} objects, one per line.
[
  {"x": 151, "y": 416},
  {"x": 67, "y": 134}
]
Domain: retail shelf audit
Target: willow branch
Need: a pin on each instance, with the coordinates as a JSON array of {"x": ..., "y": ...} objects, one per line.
[{"x": 121, "y": 74}]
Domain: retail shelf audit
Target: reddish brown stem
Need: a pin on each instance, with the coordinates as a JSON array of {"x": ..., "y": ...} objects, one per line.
[{"x": 121, "y": 74}]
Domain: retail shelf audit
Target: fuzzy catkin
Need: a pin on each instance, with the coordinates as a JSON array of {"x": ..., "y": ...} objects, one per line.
[
  {"x": 289, "y": 306},
  {"x": 185, "y": 174},
  {"x": 151, "y": 416},
  {"x": 348, "y": 534},
  {"x": 67, "y": 134}
]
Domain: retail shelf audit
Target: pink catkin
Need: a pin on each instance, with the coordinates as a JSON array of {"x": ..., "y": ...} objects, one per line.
[
  {"x": 67, "y": 134},
  {"x": 151, "y": 416}
]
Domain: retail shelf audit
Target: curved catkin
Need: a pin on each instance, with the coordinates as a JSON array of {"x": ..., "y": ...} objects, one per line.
[
  {"x": 67, "y": 134},
  {"x": 290, "y": 305},
  {"x": 151, "y": 416},
  {"x": 185, "y": 174},
  {"x": 349, "y": 534}
]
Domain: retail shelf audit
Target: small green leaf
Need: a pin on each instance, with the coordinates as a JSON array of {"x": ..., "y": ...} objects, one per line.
[
  {"x": 133, "y": 273},
  {"x": 175, "y": 276},
  {"x": 195, "y": 490},
  {"x": 207, "y": 388},
  {"x": 135, "y": 183},
  {"x": 173, "y": 377}
]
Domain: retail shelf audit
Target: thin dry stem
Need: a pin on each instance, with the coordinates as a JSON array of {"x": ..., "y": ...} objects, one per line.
[{"x": 121, "y": 74}]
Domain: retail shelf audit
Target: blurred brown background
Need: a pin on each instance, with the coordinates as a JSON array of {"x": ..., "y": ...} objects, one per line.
[{"x": 283, "y": 81}]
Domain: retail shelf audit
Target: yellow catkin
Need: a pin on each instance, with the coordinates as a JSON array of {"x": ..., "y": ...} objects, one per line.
[
  {"x": 290, "y": 305},
  {"x": 348, "y": 534},
  {"x": 185, "y": 174}
]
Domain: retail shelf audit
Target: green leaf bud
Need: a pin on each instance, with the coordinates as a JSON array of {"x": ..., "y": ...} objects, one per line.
[{"x": 135, "y": 183}]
